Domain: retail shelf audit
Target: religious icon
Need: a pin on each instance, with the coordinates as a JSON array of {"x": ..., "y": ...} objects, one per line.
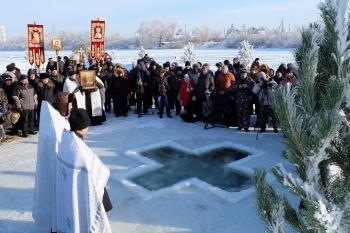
[
  {"x": 87, "y": 79},
  {"x": 56, "y": 44},
  {"x": 98, "y": 34},
  {"x": 36, "y": 38}
]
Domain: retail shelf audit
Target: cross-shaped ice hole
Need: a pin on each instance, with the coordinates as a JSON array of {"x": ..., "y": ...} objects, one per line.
[{"x": 209, "y": 167}]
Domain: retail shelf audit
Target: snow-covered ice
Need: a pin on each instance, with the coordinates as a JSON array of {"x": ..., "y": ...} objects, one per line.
[{"x": 188, "y": 206}]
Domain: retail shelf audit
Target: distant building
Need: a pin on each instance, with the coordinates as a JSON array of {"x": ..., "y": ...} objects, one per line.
[{"x": 2, "y": 35}]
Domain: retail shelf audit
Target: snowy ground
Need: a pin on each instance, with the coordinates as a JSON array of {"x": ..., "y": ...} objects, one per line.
[{"x": 191, "y": 206}]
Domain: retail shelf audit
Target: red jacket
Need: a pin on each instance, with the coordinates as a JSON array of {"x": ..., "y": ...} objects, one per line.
[{"x": 185, "y": 91}]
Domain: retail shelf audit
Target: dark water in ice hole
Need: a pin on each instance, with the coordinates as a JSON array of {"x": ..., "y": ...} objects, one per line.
[{"x": 209, "y": 167}]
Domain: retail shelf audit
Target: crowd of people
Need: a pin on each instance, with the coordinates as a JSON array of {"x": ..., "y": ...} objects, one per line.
[{"x": 228, "y": 95}]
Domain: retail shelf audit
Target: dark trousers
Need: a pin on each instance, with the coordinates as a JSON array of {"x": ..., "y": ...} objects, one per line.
[
  {"x": 27, "y": 121},
  {"x": 177, "y": 103},
  {"x": 243, "y": 115},
  {"x": 108, "y": 100},
  {"x": 264, "y": 117},
  {"x": 163, "y": 102},
  {"x": 120, "y": 104},
  {"x": 142, "y": 103}
]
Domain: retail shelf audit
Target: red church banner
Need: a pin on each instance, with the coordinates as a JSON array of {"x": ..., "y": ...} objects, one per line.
[
  {"x": 97, "y": 50},
  {"x": 36, "y": 44}
]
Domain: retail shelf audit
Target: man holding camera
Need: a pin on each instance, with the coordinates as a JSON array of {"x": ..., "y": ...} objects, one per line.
[{"x": 265, "y": 87}]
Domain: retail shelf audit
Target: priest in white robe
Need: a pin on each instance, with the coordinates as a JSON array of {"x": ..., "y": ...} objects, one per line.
[
  {"x": 72, "y": 85},
  {"x": 51, "y": 128}
]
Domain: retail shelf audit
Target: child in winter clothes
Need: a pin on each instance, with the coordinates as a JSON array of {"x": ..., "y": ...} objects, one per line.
[{"x": 185, "y": 91}]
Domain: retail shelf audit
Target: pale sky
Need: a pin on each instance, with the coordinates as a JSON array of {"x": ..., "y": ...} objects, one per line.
[{"x": 124, "y": 17}]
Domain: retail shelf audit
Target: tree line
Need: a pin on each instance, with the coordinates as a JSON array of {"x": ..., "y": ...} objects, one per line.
[{"x": 169, "y": 34}]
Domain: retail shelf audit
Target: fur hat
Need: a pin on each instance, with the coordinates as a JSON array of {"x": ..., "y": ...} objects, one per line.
[
  {"x": 219, "y": 64},
  {"x": 79, "y": 119},
  {"x": 7, "y": 76},
  {"x": 279, "y": 70},
  {"x": 10, "y": 68},
  {"x": 119, "y": 65},
  {"x": 71, "y": 73},
  {"x": 153, "y": 63},
  {"x": 22, "y": 77},
  {"x": 61, "y": 101},
  {"x": 262, "y": 74},
  {"x": 242, "y": 66},
  {"x": 226, "y": 62},
  {"x": 179, "y": 68},
  {"x": 119, "y": 71},
  {"x": 30, "y": 72},
  {"x": 254, "y": 68},
  {"x": 265, "y": 68},
  {"x": 44, "y": 75},
  {"x": 187, "y": 63}
]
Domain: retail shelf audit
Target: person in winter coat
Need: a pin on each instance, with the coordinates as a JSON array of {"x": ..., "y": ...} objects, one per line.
[
  {"x": 244, "y": 97},
  {"x": 176, "y": 83},
  {"x": 222, "y": 106},
  {"x": 208, "y": 108},
  {"x": 205, "y": 82},
  {"x": 25, "y": 100},
  {"x": 289, "y": 78},
  {"x": 11, "y": 68},
  {"x": 162, "y": 86},
  {"x": 5, "y": 120},
  {"x": 45, "y": 91},
  {"x": 57, "y": 79},
  {"x": 118, "y": 82},
  {"x": 194, "y": 74},
  {"x": 188, "y": 68},
  {"x": 8, "y": 86},
  {"x": 143, "y": 83},
  {"x": 265, "y": 88},
  {"x": 279, "y": 76},
  {"x": 187, "y": 88},
  {"x": 225, "y": 78}
]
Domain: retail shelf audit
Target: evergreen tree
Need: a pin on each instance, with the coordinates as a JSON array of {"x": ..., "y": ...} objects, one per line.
[
  {"x": 142, "y": 52},
  {"x": 314, "y": 117},
  {"x": 190, "y": 53},
  {"x": 245, "y": 54}
]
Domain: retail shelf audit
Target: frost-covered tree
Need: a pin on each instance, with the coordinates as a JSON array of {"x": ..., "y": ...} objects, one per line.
[
  {"x": 231, "y": 30},
  {"x": 246, "y": 54},
  {"x": 314, "y": 117},
  {"x": 201, "y": 34},
  {"x": 190, "y": 53},
  {"x": 157, "y": 32},
  {"x": 142, "y": 52}
]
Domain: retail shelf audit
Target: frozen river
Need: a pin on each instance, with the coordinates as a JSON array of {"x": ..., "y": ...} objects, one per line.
[{"x": 273, "y": 57}]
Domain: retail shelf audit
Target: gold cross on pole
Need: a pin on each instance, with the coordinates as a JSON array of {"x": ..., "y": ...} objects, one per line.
[{"x": 81, "y": 51}]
